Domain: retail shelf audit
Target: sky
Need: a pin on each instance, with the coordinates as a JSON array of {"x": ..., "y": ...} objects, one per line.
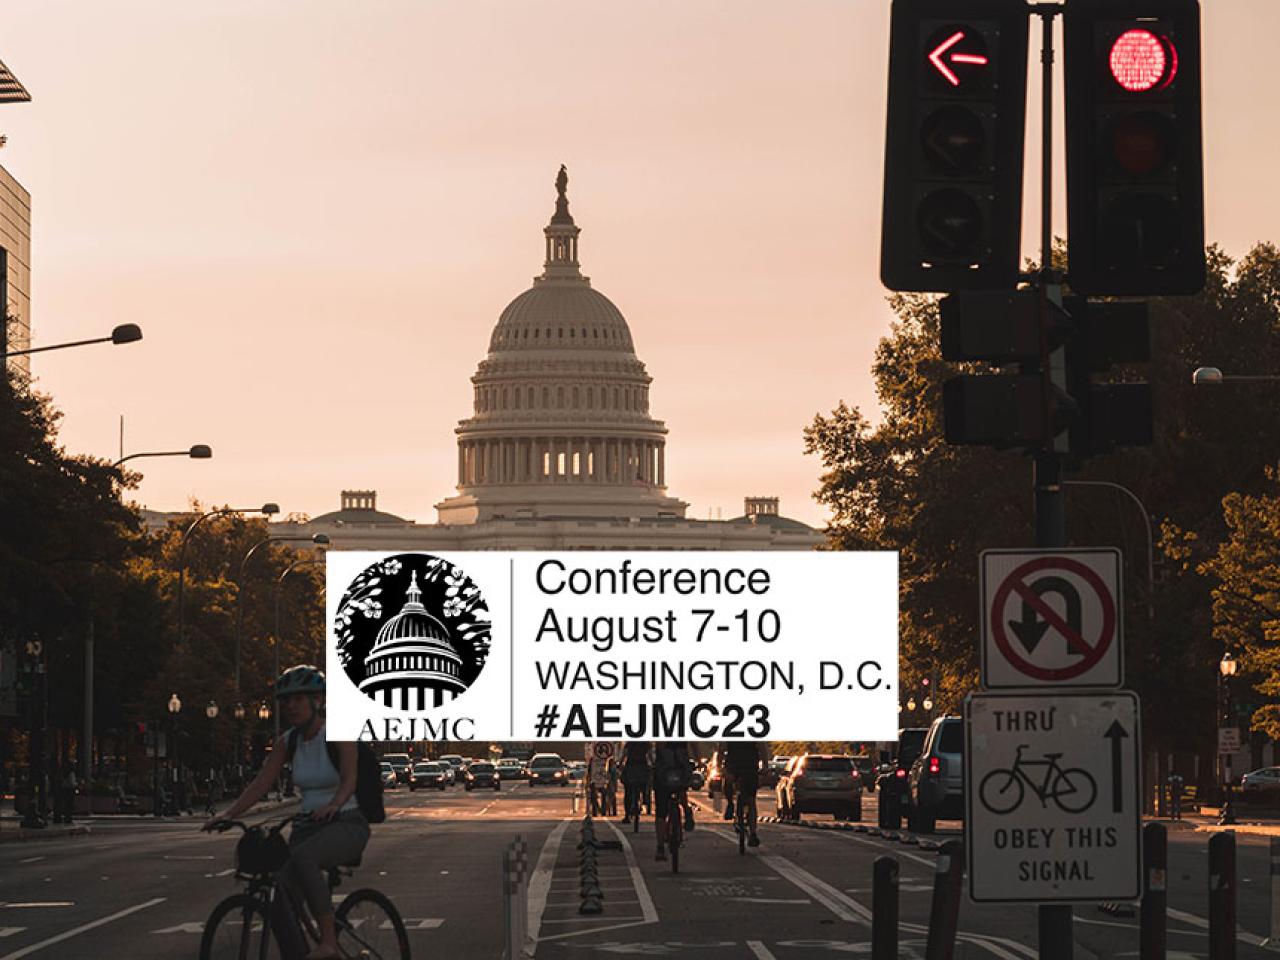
[{"x": 316, "y": 212}]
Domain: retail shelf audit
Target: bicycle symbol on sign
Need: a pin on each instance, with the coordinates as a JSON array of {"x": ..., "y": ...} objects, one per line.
[{"x": 1072, "y": 789}]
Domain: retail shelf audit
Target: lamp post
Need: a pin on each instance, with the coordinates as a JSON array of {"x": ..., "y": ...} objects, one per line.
[
  {"x": 124, "y": 333},
  {"x": 238, "y": 713},
  {"x": 278, "y": 590},
  {"x": 175, "y": 706},
  {"x": 264, "y": 714},
  {"x": 319, "y": 539},
  {"x": 211, "y": 711},
  {"x": 1213, "y": 377},
  {"x": 1227, "y": 667},
  {"x": 37, "y": 784},
  {"x": 267, "y": 509},
  {"x": 199, "y": 451}
]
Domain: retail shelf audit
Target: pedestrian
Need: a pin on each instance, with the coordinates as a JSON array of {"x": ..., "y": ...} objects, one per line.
[
  {"x": 611, "y": 796},
  {"x": 1175, "y": 796}
]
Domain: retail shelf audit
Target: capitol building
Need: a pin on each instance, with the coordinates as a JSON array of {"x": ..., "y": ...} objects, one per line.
[{"x": 560, "y": 451}]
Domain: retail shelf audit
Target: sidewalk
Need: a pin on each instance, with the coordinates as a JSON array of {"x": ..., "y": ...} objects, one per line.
[{"x": 10, "y": 832}]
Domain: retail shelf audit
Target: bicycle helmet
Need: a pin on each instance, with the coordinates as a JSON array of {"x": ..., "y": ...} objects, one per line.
[{"x": 304, "y": 678}]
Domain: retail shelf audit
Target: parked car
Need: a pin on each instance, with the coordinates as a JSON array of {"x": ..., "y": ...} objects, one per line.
[
  {"x": 429, "y": 774},
  {"x": 820, "y": 783},
  {"x": 866, "y": 767},
  {"x": 1261, "y": 786},
  {"x": 936, "y": 781},
  {"x": 389, "y": 779},
  {"x": 893, "y": 773},
  {"x": 484, "y": 774},
  {"x": 547, "y": 768},
  {"x": 577, "y": 771},
  {"x": 401, "y": 764},
  {"x": 773, "y": 771}
]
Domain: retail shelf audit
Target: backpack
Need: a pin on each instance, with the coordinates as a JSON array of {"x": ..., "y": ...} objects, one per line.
[
  {"x": 368, "y": 776},
  {"x": 672, "y": 767}
]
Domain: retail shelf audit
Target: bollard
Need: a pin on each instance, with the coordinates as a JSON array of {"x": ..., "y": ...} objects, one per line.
[
  {"x": 512, "y": 947},
  {"x": 884, "y": 909},
  {"x": 1222, "y": 896},
  {"x": 1273, "y": 937},
  {"x": 944, "y": 913},
  {"x": 1154, "y": 919},
  {"x": 521, "y": 851}
]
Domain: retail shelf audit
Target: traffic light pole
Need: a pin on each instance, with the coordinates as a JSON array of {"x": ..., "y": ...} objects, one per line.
[{"x": 1056, "y": 933}]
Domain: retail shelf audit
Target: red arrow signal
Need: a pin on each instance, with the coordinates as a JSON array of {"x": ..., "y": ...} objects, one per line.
[{"x": 936, "y": 57}]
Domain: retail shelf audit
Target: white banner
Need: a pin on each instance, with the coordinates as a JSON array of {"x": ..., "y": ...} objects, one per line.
[{"x": 612, "y": 646}]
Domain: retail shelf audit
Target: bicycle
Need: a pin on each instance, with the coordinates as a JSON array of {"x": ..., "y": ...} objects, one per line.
[
  {"x": 741, "y": 822},
  {"x": 631, "y": 801},
  {"x": 675, "y": 826},
  {"x": 1057, "y": 785},
  {"x": 367, "y": 922}
]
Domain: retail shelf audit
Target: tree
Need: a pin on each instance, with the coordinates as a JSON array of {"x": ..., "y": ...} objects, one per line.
[{"x": 895, "y": 485}]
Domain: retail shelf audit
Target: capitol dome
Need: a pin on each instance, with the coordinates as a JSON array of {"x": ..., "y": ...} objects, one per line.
[
  {"x": 560, "y": 426},
  {"x": 413, "y": 663}
]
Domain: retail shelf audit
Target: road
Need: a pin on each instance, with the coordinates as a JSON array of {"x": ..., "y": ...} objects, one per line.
[{"x": 141, "y": 889}]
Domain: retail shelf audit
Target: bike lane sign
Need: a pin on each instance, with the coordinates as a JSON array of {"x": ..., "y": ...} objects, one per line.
[{"x": 1052, "y": 805}]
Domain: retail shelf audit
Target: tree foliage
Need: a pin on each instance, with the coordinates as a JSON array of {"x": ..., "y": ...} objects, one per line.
[{"x": 893, "y": 484}]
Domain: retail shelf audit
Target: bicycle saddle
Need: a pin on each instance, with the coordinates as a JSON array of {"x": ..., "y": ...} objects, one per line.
[{"x": 1052, "y": 756}]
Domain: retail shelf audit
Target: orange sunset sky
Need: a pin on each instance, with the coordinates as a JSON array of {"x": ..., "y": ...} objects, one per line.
[{"x": 317, "y": 210}]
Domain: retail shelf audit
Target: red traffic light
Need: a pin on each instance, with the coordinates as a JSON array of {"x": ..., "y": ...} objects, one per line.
[{"x": 1141, "y": 61}]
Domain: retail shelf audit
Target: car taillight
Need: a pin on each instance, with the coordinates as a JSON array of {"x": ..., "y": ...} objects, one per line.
[
  {"x": 900, "y": 773},
  {"x": 935, "y": 766}
]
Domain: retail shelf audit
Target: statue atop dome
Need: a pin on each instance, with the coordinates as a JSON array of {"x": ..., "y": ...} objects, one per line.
[{"x": 562, "y": 200}]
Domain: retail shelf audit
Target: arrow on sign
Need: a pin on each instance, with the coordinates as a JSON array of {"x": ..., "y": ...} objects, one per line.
[
  {"x": 936, "y": 57},
  {"x": 1115, "y": 733},
  {"x": 1031, "y": 629}
]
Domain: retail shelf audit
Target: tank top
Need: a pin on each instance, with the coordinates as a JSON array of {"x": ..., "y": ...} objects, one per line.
[{"x": 314, "y": 773}]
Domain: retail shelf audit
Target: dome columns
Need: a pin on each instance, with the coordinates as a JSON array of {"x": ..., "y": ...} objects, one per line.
[{"x": 562, "y": 459}]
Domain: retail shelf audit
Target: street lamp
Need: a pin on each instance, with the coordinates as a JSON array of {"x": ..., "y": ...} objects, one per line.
[
  {"x": 264, "y": 712},
  {"x": 124, "y": 333},
  {"x": 1212, "y": 377},
  {"x": 1227, "y": 667},
  {"x": 238, "y": 713},
  {"x": 175, "y": 706},
  {"x": 320, "y": 539},
  {"x": 278, "y": 590},
  {"x": 199, "y": 451},
  {"x": 211, "y": 711},
  {"x": 267, "y": 509}
]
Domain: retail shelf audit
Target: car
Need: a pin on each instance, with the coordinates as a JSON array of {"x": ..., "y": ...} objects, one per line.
[
  {"x": 428, "y": 774},
  {"x": 455, "y": 762},
  {"x": 820, "y": 783},
  {"x": 1261, "y": 786},
  {"x": 697, "y": 778},
  {"x": 482, "y": 773},
  {"x": 866, "y": 767},
  {"x": 893, "y": 773},
  {"x": 508, "y": 769},
  {"x": 773, "y": 770},
  {"x": 577, "y": 771},
  {"x": 400, "y": 763},
  {"x": 547, "y": 768},
  {"x": 935, "y": 788},
  {"x": 389, "y": 779}
]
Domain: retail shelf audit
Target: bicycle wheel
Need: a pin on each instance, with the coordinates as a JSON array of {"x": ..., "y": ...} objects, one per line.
[
  {"x": 675, "y": 834},
  {"x": 369, "y": 926},
  {"x": 1074, "y": 790},
  {"x": 1001, "y": 791},
  {"x": 236, "y": 930},
  {"x": 741, "y": 827}
]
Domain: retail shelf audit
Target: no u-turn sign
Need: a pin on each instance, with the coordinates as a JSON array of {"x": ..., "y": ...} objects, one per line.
[{"x": 1052, "y": 618}]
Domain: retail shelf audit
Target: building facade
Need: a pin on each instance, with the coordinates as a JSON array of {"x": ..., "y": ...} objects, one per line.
[{"x": 15, "y": 241}]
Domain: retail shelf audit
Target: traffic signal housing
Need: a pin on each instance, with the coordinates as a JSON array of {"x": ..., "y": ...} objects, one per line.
[
  {"x": 1135, "y": 169},
  {"x": 954, "y": 145},
  {"x": 1049, "y": 356}
]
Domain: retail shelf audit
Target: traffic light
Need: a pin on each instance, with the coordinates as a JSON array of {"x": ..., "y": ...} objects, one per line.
[
  {"x": 953, "y": 148},
  {"x": 1049, "y": 355},
  {"x": 1110, "y": 414},
  {"x": 1009, "y": 409},
  {"x": 1135, "y": 170}
]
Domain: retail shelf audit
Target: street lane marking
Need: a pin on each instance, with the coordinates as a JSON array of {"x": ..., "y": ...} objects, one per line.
[
  {"x": 767, "y": 900},
  {"x": 38, "y": 903},
  {"x": 540, "y": 879},
  {"x": 203, "y": 857},
  {"x": 1191, "y": 919},
  {"x": 31, "y": 860},
  {"x": 76, "y": 931},
  {"x": 637, "y": 878},
  {"x": 760, "y": 951},
  {"x": 10, "y": 931}
]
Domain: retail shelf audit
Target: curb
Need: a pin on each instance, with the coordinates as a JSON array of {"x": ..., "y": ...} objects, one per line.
[{"x": 25, "y": 835}]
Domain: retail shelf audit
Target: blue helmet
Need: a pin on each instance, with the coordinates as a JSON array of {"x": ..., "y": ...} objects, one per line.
[{"x": 304, "y": 678}]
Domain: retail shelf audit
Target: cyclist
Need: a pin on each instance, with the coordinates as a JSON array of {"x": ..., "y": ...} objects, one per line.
[
  {"x": 672, "y": 772},
  {"x": 635, "y": 777},
  {"x": 337, "y": 831},
  {"x": 742, "y": 762}
]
